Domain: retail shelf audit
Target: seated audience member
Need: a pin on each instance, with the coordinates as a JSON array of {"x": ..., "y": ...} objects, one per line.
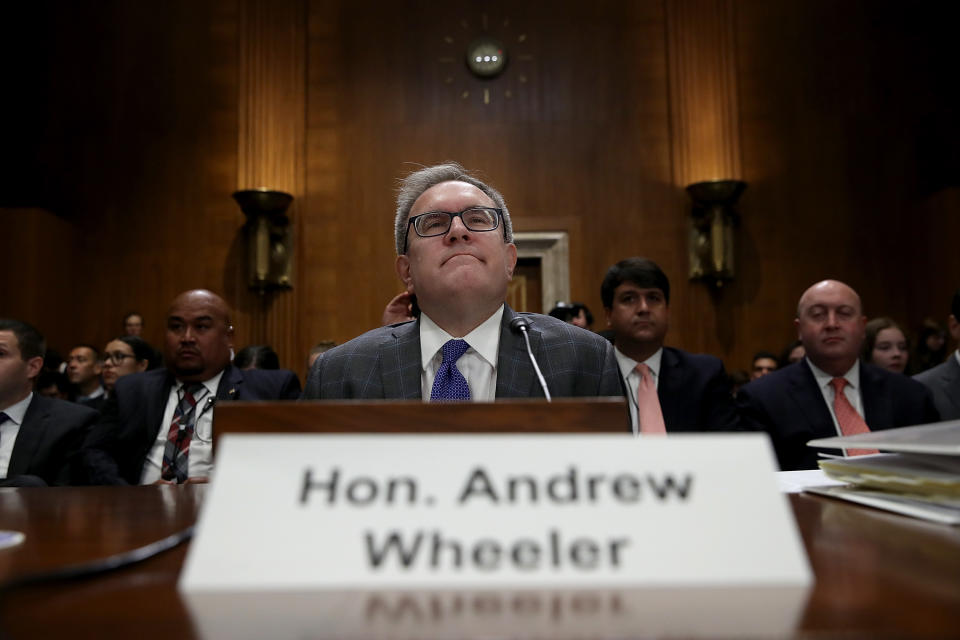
[
  {"x": 830, "y": 392},
  {"x": 157, "y": 426},
  {"x": 931, "y": 347},
  {"x": 53, "y": 384},
  {"x": 793, "y": 353},
  {"x": 667, "y": 388},
  {"x": 257, "y": 356},
  {"x": 321, "y": 347},
  {"x": 576, "y": 313},
  {"x": 738, "y": 378},
  {"x": 133, "y": 324},
  {"x": 944, "y": 379},
  {"x": 83, "y": 371},
  {"x": 764, "y": 362},
  {"x": 39, "y": 436},
  {"x": 455, "y": 252},
  {"x": 401, "y": 308},
  {"x": 126, "y": 355},
  {"x": 885, "y": 346}
]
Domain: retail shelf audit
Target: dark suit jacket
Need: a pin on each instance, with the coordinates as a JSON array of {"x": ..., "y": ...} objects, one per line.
[
  {"x": 695, "y": 393},
  {"x": 943, "y": 381},
  {"x": 116, "y": 448},
  {"x": 385, "y": 363},
  {"x": 49, "y": 440},
  {"x": 789, "y": 406}
]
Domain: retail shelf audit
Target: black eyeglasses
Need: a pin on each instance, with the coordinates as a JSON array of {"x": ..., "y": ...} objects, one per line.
[
  {"x": 117, "y": 357},
  {"x": 437, "y": 223}
]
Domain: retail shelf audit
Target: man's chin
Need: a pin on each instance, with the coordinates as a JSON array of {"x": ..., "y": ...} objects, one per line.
[{"x": 183, "y": 373}]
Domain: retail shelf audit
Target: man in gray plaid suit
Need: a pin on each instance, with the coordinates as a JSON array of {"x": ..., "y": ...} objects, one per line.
[{"x": 455, "y": 255}]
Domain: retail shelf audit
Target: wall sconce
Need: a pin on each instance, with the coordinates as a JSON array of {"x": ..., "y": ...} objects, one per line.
[
  {"x": 711, "y": 229},
  {"x": 269, "y": 238}
]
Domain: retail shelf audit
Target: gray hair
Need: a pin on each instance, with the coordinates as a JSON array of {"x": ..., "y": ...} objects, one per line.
[{"x": 415, "y": 184}]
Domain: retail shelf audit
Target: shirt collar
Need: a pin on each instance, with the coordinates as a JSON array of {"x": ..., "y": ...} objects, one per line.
[
  {"x": 211, "y": 385},
  {"x": 99, "y": 391},
  {"x": 484, "y": 340},
  {"x": 823, "y": 378},
  {"x": 628, "y": 365},
  {"x": 17, "y": 410}
]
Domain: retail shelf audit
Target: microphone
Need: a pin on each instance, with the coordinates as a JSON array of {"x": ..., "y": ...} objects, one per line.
[{"x": 522, "y": 325}]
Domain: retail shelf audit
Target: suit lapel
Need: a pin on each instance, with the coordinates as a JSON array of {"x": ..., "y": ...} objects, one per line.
[
  {"x": 670, "y": 391},
  {"x": 950, "y": 379},
  {"x": 808, "y": 399},
  {"x": 877, "y": 402},
  {"x": 231, "y": 385},
  {"x": 400, "y": 363},
  {"x": 156, "y": 402},
  {"x": 29, "y": 437}
]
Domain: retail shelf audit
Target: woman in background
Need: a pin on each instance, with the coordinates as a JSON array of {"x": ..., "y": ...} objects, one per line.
[
  {"x": 886, "y": 345},
  {"x": 126, "y": 355}
]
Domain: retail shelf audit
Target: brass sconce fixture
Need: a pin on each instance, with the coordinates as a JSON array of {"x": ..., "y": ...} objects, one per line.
[
  {"x": 269, "y": 238},
  {"x": 711, "y": 229}
]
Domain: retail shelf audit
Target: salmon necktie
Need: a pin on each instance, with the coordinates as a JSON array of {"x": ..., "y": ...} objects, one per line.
[
  {"x": 847, "y": 417},
  {"x": 648, "y": 404}
]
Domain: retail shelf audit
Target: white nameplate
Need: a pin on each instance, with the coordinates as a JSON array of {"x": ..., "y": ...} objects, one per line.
[{"x": 306, "y": 512}]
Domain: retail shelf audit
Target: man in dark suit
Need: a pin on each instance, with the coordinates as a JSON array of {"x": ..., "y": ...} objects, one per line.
[
  {"x": 830, "y": 392},
  {"x": 455, "y": 253},
  {"x": 692, "y": 390},
  {"x": 943, "y": 380},
  {"x": 157, "y": 426},
  {"x": 39, "y": 437}
]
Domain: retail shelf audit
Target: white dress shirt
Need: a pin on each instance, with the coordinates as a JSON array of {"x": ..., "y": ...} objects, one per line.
[
  {"x": 628, "y": 370},
  {"x": 9, "y": 429},
  {"x": 200, "y": 459},
  {"x": 478, "y": 364},
  {"x": 851, "y": 390}
]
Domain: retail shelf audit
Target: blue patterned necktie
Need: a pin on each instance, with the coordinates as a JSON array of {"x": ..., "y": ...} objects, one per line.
[{"x": 450, "y": 383}]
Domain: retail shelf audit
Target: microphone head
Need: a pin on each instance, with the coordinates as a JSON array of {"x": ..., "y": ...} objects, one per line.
[{"x": 519, "y": 324}]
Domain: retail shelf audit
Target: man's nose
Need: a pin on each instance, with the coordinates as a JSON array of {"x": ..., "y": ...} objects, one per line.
[{"x": 457, "y": 230}]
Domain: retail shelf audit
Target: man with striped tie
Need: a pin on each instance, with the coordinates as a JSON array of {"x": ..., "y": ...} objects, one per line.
[
  {"x": 455, "y": 253},
  {"x": 157, "y": 426}
]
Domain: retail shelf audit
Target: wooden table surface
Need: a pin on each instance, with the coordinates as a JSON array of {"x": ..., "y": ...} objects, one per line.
[{"x": 877, "y": 574}]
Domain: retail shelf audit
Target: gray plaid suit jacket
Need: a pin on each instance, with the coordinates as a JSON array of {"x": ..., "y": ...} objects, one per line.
[{"x": 385, "y": 363}]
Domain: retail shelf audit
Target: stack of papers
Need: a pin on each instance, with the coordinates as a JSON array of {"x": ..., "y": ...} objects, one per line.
[{"x": 920, "y": 478}]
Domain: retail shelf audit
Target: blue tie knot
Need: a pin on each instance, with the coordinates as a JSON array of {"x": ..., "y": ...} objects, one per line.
[
  {"x": 449, "y": 383},
  {"x": 453, "y": 349}
]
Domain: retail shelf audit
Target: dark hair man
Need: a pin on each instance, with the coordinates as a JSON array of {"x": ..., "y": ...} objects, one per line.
[
  {"x": 39, "y": 436},
  {"x": 830, "y": 392},
  {"x": 689, "y": 392},
  {"x": 455, "y": 253},
  {"x": 943, "y": 380},
  {"x": 157, "y": 426},
  {"x": 764, "y": 362},
  {"x": 83, "y": 371},
  {"x": 133, "y": 324}
]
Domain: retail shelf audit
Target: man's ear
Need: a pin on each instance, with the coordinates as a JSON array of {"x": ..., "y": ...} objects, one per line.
[
  {"x": 402, "y": 265},
  {"x": 953, "y": 324},
  {"x": 796, "y": 325},
  {"x": 606, "y": 312},
  {"x": 34, "y": 366},
  {"x": 98, "y": 367},
  {"x": 511, "y": 259}
]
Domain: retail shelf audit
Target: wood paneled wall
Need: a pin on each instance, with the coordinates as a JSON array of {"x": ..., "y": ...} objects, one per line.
[{"x": 142, "y": 118}]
